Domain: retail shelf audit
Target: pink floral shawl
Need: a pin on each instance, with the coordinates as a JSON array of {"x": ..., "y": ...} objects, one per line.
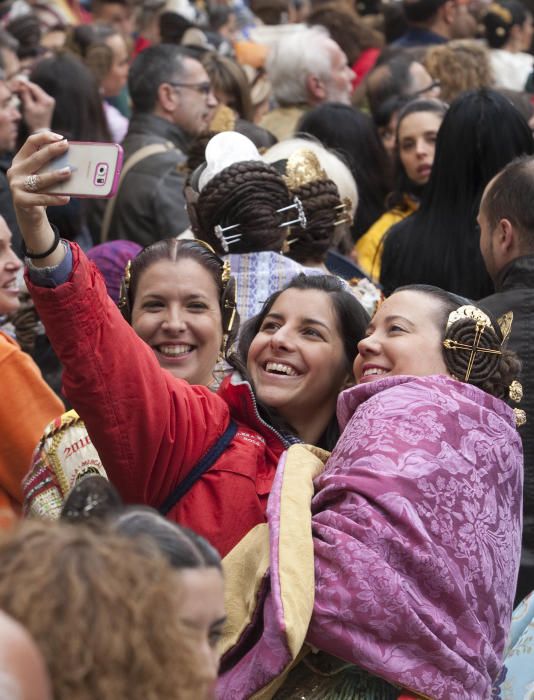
[{"x": 416, "y": 525}]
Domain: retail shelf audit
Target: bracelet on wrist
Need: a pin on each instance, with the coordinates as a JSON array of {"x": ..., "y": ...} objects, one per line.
[{"x": 40, "y": 256}]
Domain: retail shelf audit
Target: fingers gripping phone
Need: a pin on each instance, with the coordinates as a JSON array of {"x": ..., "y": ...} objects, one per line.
[{"x": 95, "y": 167}]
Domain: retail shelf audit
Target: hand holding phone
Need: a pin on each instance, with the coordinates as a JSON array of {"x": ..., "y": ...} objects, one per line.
[{"x": 95, "y": 169}]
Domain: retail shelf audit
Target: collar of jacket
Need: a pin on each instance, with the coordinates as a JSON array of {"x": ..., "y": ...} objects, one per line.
[
  {"x": 517, "y": 274},
  {"x": 240, "y": 398},
  {"x": 151, "y": 124}
]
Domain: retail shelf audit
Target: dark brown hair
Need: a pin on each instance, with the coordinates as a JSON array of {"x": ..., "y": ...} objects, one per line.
[
  {"x": 247, "y": 193},
  {"x": 493, "y": 373}
]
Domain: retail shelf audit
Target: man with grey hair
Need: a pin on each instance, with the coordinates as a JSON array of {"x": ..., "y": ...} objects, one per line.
[
  {"x": 306, "y": 68},
  {"x": 172, "y": 103}
]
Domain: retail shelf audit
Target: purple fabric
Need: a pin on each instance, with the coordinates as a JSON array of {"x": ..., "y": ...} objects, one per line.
[
  {"x": 270, "y": 655},
  {"x": 417, "y": 535},
  {"x": 111, "y": 259}
]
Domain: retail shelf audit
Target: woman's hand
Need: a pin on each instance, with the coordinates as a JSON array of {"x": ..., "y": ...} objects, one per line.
[{"x": 28, "y": 188}]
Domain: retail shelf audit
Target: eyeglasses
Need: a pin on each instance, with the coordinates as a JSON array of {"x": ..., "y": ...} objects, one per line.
[
  {"x": 202, "y": 88},
  {"x": 435, "y": 84}
]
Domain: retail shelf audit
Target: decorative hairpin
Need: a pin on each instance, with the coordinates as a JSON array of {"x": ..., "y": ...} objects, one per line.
[
  {"x": 302, "y": 167},
  {"x": 226, "y": 241},
  {"x": 125, "y": 286},
  {"x": 345, "y": 209},
  {"x": 301, "y": 220},
  {"x": 502, "y": 12},
  {"x": 482, "y": 321}
]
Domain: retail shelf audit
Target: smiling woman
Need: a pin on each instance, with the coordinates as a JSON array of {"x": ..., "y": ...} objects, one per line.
[
  {"x": 414, "y": 525},
  {"x": 206, "y": 459}
]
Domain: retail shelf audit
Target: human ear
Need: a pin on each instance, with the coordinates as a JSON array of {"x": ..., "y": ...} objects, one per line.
[
  {"x": 506, "y": 236},
  {"x": 167, "y": 97},
  {"x": 316, "y": 89}
]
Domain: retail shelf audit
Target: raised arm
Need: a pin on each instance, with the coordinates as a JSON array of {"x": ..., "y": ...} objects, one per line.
[{"x": 148, "y": 427}]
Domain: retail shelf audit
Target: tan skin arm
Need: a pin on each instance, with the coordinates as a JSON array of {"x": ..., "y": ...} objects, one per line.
[{"x": 30, "y": 207}]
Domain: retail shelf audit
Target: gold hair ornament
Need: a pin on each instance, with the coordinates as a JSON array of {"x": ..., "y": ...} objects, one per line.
[
  {"x": 226, "y": 273},
  {"x": 520, "y": 417},
  {"x": 502, "y": 12},
  {"x": 515, "y": 391},
  {"x": 303, "y": 167},
  {"x": 125, "y": 285},
  {"x": 482, "y": 321},
  {"x": 345, "y": 212}
]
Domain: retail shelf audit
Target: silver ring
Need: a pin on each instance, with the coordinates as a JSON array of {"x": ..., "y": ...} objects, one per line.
[{"x": 31, "y": 183}]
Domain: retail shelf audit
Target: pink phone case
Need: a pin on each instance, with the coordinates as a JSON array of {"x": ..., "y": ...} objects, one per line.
[{"x": 96, "y": 169}]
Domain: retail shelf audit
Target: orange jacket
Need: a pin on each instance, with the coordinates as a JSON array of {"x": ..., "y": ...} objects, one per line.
[{"x": 27, "y": 404}]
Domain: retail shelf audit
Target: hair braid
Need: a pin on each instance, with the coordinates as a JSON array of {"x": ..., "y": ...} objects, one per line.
[
  {"x": 319, "y": 200},
  {"x": 491, "y": 372},
  {"x": 246, "y": 193}
]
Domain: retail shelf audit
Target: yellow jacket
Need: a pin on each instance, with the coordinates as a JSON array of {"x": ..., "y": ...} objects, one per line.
[{"x": 368, "y": 249}]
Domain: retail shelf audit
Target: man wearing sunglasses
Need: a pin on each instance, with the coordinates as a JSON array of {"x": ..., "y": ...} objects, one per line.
[{"x": 172, "y": 103}]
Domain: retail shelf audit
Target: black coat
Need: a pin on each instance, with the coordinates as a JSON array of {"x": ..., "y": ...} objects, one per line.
[{"x": 515, "y": 292}]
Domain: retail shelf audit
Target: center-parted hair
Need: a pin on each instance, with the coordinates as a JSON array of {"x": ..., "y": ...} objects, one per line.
[
  {"x": 247, "y": 193},
  {"x": 402, "y": 184},
  {"x": 176, "y": 250}
]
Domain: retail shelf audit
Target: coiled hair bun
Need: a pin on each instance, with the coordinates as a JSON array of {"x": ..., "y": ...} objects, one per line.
[
  {"x": 248, "y": 193},
  {"x": 474, "y": 353}
]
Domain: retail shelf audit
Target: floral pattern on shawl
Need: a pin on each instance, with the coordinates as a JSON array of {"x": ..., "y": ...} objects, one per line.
[{"x": 416, "y": 525}]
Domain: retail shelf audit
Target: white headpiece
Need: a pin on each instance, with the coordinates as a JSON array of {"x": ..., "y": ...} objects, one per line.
[{"x": 224, "y": 150}]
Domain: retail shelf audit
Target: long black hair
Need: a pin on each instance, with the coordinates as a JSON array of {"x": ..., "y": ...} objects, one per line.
[
  {"x": 352, "y": 135},
  {"x": 439, "y": 244}
]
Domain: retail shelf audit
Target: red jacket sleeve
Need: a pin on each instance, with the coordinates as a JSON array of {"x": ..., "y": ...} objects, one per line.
[{"x": 148, "y": 427}]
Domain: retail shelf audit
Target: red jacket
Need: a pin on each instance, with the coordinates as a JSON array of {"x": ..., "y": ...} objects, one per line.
[{"x": 150, "y": 428}]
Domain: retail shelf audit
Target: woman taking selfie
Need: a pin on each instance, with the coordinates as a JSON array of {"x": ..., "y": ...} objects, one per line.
[
  {"x": 153, "y": 430},
  {"x": 415, "y": 522}
]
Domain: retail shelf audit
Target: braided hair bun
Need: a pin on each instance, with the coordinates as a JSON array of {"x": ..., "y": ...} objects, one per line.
[
  {"x": 473, "y": 352},
  {"x": 247, "y": 193},
  {"x": 321, "y": 202}
]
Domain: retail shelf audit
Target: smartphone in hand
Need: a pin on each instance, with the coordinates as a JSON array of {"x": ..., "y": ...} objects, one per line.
[{"x": 95, "y": 167}]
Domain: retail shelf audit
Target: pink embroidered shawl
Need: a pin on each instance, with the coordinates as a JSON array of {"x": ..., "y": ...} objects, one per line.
[{"x": 416, "y": 525}]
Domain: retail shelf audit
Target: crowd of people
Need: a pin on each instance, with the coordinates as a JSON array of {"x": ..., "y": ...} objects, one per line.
[{"x": 266, "y": 414}]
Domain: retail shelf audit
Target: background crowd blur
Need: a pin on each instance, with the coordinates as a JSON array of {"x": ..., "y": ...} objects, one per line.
[{"x": 412, "y": 106}]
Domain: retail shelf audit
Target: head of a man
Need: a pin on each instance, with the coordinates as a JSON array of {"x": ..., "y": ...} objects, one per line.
[
  {"x": 506, "y": 216},
  {"x": 448, "y": 18},
  {"x": 307, "y": 67},
  {"x": 165, "y": 81}
]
